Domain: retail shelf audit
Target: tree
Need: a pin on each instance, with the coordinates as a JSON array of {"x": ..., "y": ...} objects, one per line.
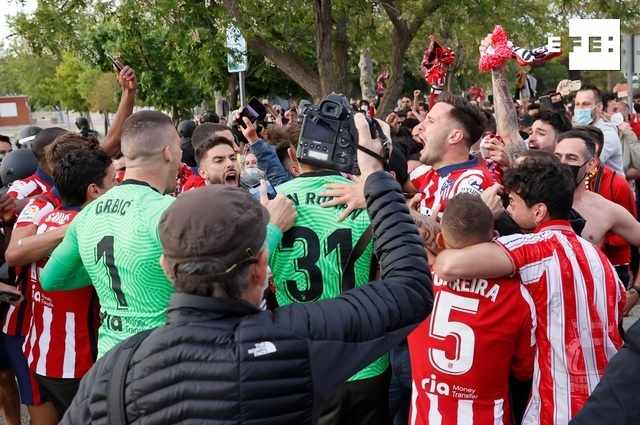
[
  {"x": 66, "y": 88},
  {"x": 23, "y": 73}
]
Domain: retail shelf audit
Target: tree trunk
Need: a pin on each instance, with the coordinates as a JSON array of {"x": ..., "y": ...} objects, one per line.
[
  {"x": 367, "y": 81},
  {"x": 403, "y": 34},
  {"x": 396, "y": 78},
  {"x": 324, "y": 46},
  {"x": 341, "y": 53},
  {"x": 293, "y": 66}
]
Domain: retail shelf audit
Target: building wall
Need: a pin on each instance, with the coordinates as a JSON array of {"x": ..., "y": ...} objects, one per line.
[{"x": 14, "y": 110}]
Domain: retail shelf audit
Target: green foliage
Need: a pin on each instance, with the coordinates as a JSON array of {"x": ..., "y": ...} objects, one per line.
[
  {"x": 177, "y": 46},
  {"x": 66, "y": 88},
  {"x": 22, "y": 73}
]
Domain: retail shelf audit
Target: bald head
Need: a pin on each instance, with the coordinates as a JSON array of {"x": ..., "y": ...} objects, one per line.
[{"x": 145, "y": 134}]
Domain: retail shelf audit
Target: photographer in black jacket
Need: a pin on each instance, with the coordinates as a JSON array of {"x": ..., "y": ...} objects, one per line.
[{"x": 219, "y": 359}]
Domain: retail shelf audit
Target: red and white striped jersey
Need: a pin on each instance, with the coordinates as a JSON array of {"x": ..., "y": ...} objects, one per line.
[
  {"x": 579, "y": 302},
  {"x": 61, "y": 342},
  {"x": 17, "y": 318},
  {"x": 479, "y": 332},
  {"x": 438, "y": 186},
  {"x": 35, "y": 184}
]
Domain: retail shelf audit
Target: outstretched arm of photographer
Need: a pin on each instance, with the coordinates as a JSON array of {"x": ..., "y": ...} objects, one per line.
[
  {"x": 129, "y": 84},
  {"x": 268, "y": 161}
]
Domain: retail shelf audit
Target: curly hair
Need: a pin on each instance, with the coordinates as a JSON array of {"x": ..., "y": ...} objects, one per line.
[{"x": 541, "y": 178}]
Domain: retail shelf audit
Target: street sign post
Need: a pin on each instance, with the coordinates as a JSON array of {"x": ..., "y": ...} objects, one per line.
[{"x": 237, "y": 58}]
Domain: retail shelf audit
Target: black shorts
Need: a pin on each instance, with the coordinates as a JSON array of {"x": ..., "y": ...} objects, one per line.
[{"x": 59, "y": 391}]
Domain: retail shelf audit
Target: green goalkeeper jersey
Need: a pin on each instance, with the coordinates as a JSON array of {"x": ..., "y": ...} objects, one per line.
[
  {"x": 113, "y": 243},
  {"x": 308, "y": 263}
]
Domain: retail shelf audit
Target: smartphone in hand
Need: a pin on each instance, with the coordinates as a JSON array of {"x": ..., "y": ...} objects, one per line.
[{"x": 116, "y": 63}]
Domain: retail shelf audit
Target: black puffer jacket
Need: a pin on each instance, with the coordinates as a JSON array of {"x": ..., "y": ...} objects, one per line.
[{"x": 224, "y": 362}]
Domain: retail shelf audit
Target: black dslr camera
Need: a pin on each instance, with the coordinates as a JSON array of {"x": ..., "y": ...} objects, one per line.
[{"x": 329, "y": 138}]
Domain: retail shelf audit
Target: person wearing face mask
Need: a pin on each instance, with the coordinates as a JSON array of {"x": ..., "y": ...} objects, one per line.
[
  {"x": 618, "y": 113},
  {"x": 589, "y": 111}
]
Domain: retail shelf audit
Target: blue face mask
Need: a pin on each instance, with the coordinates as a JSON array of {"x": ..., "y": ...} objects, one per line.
[{"x": 582, "y": 116}]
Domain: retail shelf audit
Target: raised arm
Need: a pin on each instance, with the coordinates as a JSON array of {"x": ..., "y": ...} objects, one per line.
[{"x": 129, "y": 84}]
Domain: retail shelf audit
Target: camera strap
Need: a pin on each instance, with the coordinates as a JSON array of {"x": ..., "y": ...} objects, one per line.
[{"x": 378, "y": 134}]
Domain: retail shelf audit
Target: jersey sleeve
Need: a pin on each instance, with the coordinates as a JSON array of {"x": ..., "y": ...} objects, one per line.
[
  {"x": 64, "y": 270},
  {"x": 419, "y": 177},
  {"x": 21, "y": 189},
  {"x": 33, "y": 213},
  {"x": 524, "y": 353},
  {"x": 526, "y": 253}
]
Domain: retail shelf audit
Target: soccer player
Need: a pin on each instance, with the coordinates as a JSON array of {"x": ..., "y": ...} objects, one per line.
[
  {"x": 61, "y": 342},
  {"x": 114, "y": 244},
  {"x": 203, "y": 133},
  {"x": 315, "y": 260},
  {"x": 577, "y": 294},
  {"x": 452, "y": 126},
  {"x": 24, "y": 248},
  {"x": 218, "y": 162},
  {"x": 546, "y": 129},
  {"x": 480, "y": 331}
]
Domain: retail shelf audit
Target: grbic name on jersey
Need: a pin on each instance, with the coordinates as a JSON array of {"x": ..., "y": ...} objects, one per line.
[
  {"x": 475, "y": 286},
  {"x": 112, "y": 206}
]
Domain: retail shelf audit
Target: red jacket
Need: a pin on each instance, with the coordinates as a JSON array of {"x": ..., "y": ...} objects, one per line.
[{"x": 615, "y": 188}]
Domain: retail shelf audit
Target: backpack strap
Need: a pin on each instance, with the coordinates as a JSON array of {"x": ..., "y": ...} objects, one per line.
[
  {"x": 357, "y": 251},
  {"x": 116, "y": 408}
]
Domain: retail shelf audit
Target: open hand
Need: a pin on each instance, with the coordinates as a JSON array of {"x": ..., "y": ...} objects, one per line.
[{"x": 350, "y": 194}]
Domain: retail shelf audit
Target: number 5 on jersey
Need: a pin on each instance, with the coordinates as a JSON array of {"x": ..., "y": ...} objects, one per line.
[
  {"x": 105, "y": 250},
  {"x": 442, "y": 326}
]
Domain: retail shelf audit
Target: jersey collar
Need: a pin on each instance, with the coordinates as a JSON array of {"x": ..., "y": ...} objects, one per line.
[
  {"x": 560, "y": 225},
  {"x": 448, "y": 169},
  {"x": 138, "y": 183},
  {"x": 44, "y": 176},
  {"x": 320, "y": 173}
]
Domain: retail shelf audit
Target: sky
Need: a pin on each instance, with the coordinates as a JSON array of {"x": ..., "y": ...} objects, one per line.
[{"x": 10, "y": 8}]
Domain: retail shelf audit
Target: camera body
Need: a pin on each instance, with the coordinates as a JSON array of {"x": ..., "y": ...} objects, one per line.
[{"x": 328, "y": 138}]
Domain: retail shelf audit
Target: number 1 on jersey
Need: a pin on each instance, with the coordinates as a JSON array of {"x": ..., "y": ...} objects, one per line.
[{"x": 105, "y": 250}]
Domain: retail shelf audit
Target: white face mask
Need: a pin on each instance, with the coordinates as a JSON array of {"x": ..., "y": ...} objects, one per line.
[{"x": 617, "y": 118}]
